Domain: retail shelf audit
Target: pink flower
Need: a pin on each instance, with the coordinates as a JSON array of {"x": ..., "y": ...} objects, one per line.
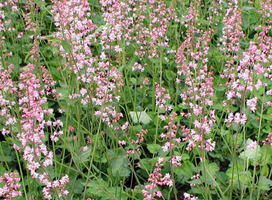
[
  {"x": 83, "y": 91},
  {"x": 11, "y": 186},
  {"x": 251, "y": 103},
  {"x": 251, "y": 145},
  {"x": 85, "y": 148}
]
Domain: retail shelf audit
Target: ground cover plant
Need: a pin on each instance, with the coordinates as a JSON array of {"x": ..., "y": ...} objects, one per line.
[{"x": 136, "y": 99}]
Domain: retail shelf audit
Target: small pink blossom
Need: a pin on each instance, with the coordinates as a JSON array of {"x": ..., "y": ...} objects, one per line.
[
  {"x": 85, "y": 148},
  {"x": 251, "y": 103}
]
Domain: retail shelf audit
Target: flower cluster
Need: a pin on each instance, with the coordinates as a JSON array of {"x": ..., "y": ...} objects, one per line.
[
  {"x": 251, "y": 74},
  {"x": 75, "y": 35},
  {"x": 136, "y": 143},
  {"x": 200, "y": 72},
  {"x": 238, "y": 118},
  {"x": 175, "y": 161},
  {"x": 268, "y": 140},
  {"x": 7, "y": 90},
  {"x": 156, "y": 178},
  {"x": 266, "y": 8},
  {"x": 232, "y": 30},
  {"x": 31, "y": 101},
  {"x": 162, "y": 97},
  {"x": 11, "y": 187},
  {"x": 192, "y": 59},
  {"x": 127, "y": 19},
  {"x": 171, "y": 136}
]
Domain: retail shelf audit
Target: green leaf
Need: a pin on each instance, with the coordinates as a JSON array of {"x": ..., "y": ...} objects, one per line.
[
  {"x": 133, "y": 81},
  {"x": 239, "y": 175},
  {"x": 185, "y": 171},
  {"x": 5, "y": 158},
  {"x": 147, "y": 163},
  {"x": 52, "y": 172},
  {"x": 64, "y": 93},
  {"x": 66, "y": 46},
  {"x": 97, "y": 187},
  {"x": 119, "y": 166},
  {"x": 82, "y": 156},
  {"x": 220, "y": 88},
  {"x": 170, "y": 75},
  {"x": 2, "y": 170},
  {"x": 248, "y": 8},
  {"x": 100, "y": 189},
  {"x": 140, "y": 117},
  {"x": 185, "y": 156},
  {"x": 195, "y": 181},
  {"x": 100, "y": 28},
  {"x": 153, "y": 148},
  {"x": 40, "y": 2},
  {"x": 78, "y": 186},
  {"x": 114, "y": 192},
  {"x": 264, "y": 183},
  {"x": 16, "y": 61},
  {"x": 63, "y": 85},
  {"x": 251, "y": 154},
  {"x": 212, "y": 168},
  {"x": 265, "y": 170}
]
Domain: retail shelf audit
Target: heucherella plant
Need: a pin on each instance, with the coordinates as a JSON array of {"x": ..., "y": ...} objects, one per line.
[
  {"x": 135, "y": 99},
  {"x": 96, "y": 72},
  {"x": 31, "y": 134}
]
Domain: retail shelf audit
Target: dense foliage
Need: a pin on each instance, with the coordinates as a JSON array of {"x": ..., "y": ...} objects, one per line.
[{"x": 135, "y": 99}]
